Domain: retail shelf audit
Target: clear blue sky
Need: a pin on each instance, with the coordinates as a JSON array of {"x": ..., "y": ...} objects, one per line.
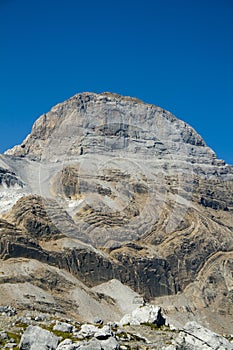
[{"x": 177, "y": 54}]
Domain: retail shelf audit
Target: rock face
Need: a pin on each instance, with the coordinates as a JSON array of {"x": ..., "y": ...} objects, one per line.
[
  {"x": 108, "y": 187},
  {"x": 127, "y": 122}
]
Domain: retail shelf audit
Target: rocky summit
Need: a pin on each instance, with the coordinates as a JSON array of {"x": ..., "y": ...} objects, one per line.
[{"x": 109, "y": 205}]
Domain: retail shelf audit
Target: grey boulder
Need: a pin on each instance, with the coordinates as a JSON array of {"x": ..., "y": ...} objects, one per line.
[
  {"x": 63, "y": 327},
  {"x": 37, "y": 338},
  {"x": 196, "y": 337},
  {"x": 110, "y": 344},
  {"x": 103, "y": 333},
  {"x": 87, "y": 330},
  {"x": 67, "y": 344},
  {"x": 93, "y": 344},
  {"x": 144, "y": 314}
]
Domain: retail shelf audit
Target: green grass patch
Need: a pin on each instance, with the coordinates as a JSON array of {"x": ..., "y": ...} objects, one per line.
[
  {"x": 11, "y": 335},
  {"x": 63, "y": 335},
  {"x": 21, "y": 325},
  {"x": 151, "y": 325}
]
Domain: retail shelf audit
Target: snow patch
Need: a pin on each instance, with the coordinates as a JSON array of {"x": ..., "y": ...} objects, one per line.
[{"x": 9, "y": 196}]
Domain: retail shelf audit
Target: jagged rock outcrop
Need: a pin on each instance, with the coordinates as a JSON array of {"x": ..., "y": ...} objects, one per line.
[{"x": 113, "y": 188}]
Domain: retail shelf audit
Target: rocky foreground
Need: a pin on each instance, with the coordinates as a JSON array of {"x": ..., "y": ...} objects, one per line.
[{"x": 145, "y": 328}]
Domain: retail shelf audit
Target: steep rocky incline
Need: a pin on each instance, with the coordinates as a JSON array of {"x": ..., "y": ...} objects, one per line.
[{"x": 108, "y": 187}]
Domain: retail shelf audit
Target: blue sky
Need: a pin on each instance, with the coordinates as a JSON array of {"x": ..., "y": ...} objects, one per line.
[{"x": 177, "y": 54}]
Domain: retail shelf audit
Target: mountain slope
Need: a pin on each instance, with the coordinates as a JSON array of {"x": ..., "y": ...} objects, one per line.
[{"x": 113, "y": 188}]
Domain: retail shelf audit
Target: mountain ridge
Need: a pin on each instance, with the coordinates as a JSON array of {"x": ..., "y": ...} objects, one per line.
[{"x": 108, "y": 187}]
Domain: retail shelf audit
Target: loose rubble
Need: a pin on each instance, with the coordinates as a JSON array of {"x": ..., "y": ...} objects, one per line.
[
  {"x": 143, "y": 329},
  {"x": 7, "y": 310}
]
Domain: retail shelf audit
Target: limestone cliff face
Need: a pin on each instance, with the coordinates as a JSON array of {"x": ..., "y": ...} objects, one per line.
[
  {"x": 117, "y": 188},
  {"x": 109, "y": 122}
]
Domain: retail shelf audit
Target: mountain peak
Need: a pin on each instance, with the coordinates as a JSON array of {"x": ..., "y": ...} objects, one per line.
[{"x": 112, "y": 123}]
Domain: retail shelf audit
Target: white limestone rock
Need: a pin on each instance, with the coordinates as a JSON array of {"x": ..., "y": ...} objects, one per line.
[
  {"x": 63, "y": 327},
  {"x": 196, "y": 337},
  {"x": 110, "y": 344},
  {"x": 67, "y": 344},
  {"x": 93, "y": 344},
  {"x": 87, "y": 330},
  {"x": 145, "y": 314},
  {"x": 37, "y": 338},
  {"x": 103, "y": 333}
]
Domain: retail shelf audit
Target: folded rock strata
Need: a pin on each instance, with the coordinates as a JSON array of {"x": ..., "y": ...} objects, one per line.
[{"x": 108, "y": 187}]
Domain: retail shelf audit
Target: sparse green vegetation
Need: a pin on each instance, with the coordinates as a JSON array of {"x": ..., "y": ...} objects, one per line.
[
  {"x": 63, "y": 335},
  {"x": 11, "y": 335},
  {"x": 151, "y": 325},
  {"x": 21, "y": 325}
]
